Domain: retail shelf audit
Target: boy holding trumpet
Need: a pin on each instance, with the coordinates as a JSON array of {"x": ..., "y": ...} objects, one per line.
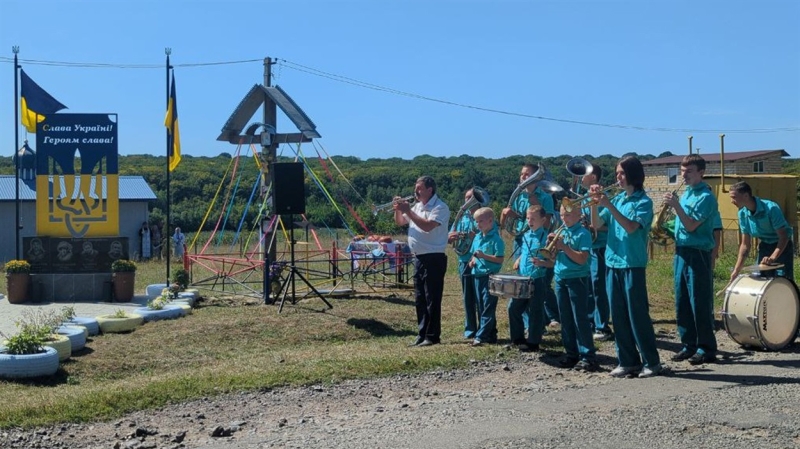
[{"x": 568, "y": 252}]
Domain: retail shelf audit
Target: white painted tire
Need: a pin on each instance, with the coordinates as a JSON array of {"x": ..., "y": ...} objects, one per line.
[
  {"x": 76, "y": 334},
  {"x": 112, "y": 324},
  {"x": 28, "y": 365},
  {"x": 167, "y": 313},
  {"x": 187, "y": 309},
  {"x": 154, "y": 290},
  {"x": 90, "y": 323},
  {"x": 193, "y": 291},
  {"x": 62, "y": 344}
]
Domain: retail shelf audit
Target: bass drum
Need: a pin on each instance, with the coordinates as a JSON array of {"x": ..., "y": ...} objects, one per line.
[
  {"x": 761, "y": 312},
  {"x": 509, "y": 286}
]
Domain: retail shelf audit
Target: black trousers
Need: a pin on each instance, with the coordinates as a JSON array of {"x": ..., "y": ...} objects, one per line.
[{"x": 429, "y": 271}]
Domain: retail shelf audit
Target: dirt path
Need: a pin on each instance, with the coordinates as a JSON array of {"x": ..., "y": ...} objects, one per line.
[{"x": 748, "y": 399}]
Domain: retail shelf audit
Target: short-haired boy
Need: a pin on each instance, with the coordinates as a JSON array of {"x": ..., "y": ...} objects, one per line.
[
  {"x": 526, "y": 265},
  {"x": 572, "y": 282},
  {"x": 488, "y": 251}
]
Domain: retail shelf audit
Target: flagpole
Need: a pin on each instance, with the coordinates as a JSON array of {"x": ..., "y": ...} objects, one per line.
[
  {"x": 15, "y": 50},
  {"x": 168, "y": 51}
]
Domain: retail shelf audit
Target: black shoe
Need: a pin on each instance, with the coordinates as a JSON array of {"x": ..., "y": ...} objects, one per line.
[
  {"x": 585, "y": 365},
  {"x": 683, "y": 354},
  {"x": 427, "y": 342},
  {"x": 568, "y": 362},
  {"x": 528, "y": 347},
  {"x": 699, "y": 359},
  {"x": 417, "y": 341}
]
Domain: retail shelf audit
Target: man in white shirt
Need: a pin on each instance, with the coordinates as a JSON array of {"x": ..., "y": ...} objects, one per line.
[{"x": 427, "y": 224}]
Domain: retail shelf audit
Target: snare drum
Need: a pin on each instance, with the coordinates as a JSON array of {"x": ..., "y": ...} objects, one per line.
[
  {"x": 510, "y": 286},
  {"x": 761, "y": 312}
]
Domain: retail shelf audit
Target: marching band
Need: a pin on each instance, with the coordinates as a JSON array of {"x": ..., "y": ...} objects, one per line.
[{"x": 597, "y": 253}]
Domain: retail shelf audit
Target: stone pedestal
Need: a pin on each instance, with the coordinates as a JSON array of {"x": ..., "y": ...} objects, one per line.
[{"x": 74, "y": 287}]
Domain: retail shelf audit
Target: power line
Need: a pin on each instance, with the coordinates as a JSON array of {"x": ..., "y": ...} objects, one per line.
[
  {"x": 100, "y": 65},
  {"x": 366, "y": 85},
  {"x": 355, "y": 82}
]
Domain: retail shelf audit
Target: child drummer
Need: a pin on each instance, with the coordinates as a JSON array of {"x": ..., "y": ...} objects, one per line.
[
  {"x": 572, "y": 248},
  {"x": 488, "y": 251},
  {"x": 533, "y": 306}
]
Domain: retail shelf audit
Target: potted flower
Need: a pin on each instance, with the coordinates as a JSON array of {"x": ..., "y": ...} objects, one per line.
[
  {"x": 123, "y": 278},
  {"x": 18, "y": 279},
  {"x": 33, "y": 351}
]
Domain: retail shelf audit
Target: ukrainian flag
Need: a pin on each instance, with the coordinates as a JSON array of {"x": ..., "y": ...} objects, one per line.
[
  {"x": 171, "y": 122},
  {"x": 35, "y": 103}
]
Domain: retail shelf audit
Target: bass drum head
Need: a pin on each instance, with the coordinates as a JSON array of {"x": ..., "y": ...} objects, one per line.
[
  {"x": 761, "y": 312},
  {"x": 778, "y": 313}
]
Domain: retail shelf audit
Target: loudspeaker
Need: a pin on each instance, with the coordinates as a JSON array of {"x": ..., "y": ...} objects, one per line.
[{"x": 288, "y": 188}]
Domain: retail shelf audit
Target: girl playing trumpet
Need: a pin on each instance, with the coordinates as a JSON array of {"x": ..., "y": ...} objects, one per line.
[{"x": 628, "y": 218}]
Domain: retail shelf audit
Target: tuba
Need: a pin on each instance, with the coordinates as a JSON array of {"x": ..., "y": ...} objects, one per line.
[
  {"x": 663, "y": 228},
  {"x": 510, "y": 224},
  {"x": 463, "y": 243}
]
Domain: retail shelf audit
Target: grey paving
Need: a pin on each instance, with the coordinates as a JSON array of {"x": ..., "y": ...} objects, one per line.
[{"x": 9, "y": 313}]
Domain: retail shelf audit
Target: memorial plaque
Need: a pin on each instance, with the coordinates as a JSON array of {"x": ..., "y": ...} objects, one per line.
[{"x": 74, "y": 255}]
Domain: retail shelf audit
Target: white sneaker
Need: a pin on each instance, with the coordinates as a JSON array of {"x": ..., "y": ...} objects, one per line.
[
  {"x": 622, "y": 371},
  {"x": 650, "y": 372},
  {"x": 603, "y": 336}
]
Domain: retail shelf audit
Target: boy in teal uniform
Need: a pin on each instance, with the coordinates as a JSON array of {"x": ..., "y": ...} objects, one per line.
[
  {"x": 764, "y": 220},
  {"x": 467, "y": 225},
  {"x": 533, "y": 195},
  {"x": 488, "y": 251},
  {"x": 694, "y": 243},
  {"x": 572, "y": 283},
  {"x": 628, "y": 218},
  {"x": 532, "y": 307}
]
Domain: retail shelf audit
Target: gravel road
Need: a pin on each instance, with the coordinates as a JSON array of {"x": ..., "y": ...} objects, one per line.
[{"x": 749, "y": 399}]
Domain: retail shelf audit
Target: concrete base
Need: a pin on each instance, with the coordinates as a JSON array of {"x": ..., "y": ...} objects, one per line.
[{"x": 71, "y": 287}]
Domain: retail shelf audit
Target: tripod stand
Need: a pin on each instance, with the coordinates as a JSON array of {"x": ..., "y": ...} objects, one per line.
[{"x": 293, "y": 271}]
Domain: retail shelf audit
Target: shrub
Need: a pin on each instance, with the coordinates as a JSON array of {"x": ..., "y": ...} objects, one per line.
[
  {"x": 18, "y": 266},
  {"x": 119, "y": 313},
  {"x": 181, "y": 277},
  {"x": 35, "y": 328},
  {"x": 123, "y": 266}
]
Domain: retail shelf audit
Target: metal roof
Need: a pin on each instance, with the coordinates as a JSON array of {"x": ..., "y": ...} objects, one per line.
[
  {"x": 714, "y": 157},
  {"x": 131, "y": 188}
]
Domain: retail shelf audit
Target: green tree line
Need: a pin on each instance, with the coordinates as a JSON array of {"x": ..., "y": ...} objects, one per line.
[{"x": 203, "y": 187}]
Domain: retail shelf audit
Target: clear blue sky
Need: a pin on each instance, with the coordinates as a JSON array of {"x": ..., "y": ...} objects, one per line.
[{"x": 699, "y": 65}]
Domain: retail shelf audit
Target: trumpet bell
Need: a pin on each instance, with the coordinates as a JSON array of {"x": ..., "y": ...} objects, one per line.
[{"x": 578, "y": 166}]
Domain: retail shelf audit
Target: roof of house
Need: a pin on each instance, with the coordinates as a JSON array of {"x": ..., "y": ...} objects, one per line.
[
  {"x": 714, "y": 157},
  {"x": 131, "y": 188}
]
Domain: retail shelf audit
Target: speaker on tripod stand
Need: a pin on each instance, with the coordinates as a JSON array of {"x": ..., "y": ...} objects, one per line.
[{"x": 289, "y": 195}]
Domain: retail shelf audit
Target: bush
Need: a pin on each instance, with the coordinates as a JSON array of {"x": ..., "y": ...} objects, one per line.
[
  {"x": 35, "y": 328},
  {"x": 123, "y": 266},
  {"x": 18, "y": 266},
  {"x": 181, "y": 277}
]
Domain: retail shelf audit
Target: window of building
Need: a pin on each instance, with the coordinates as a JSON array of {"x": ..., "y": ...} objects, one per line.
[
  {"x": 672, "y": 174},
  {"x": 758, "y": 167}
]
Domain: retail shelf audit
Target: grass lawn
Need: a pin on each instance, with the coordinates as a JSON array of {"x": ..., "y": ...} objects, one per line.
[{"x": 229, "y": 344}]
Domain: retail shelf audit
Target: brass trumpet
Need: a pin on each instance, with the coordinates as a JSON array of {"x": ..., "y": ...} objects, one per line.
[
  {"x": 662, "y": 230},
  {"x": 569, "y": 204},
  {"x": 388, "y": 206},
  {"x": 549, "y": 251}
]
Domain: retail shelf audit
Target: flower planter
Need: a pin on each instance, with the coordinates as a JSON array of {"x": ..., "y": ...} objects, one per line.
[
  {"x": 18, "y": 286},
  {"x": 76, "y": 334},
  {"x": 187, "y": 309},
  {"x": 28, "y": 365},
  {"x": 61, "y": 344},
  {"x": 112, "y": 324},
  {"x": 89, "y": 323},
  {"x": 167, "y": 313},
  {"x": 123, "y": 286}
]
